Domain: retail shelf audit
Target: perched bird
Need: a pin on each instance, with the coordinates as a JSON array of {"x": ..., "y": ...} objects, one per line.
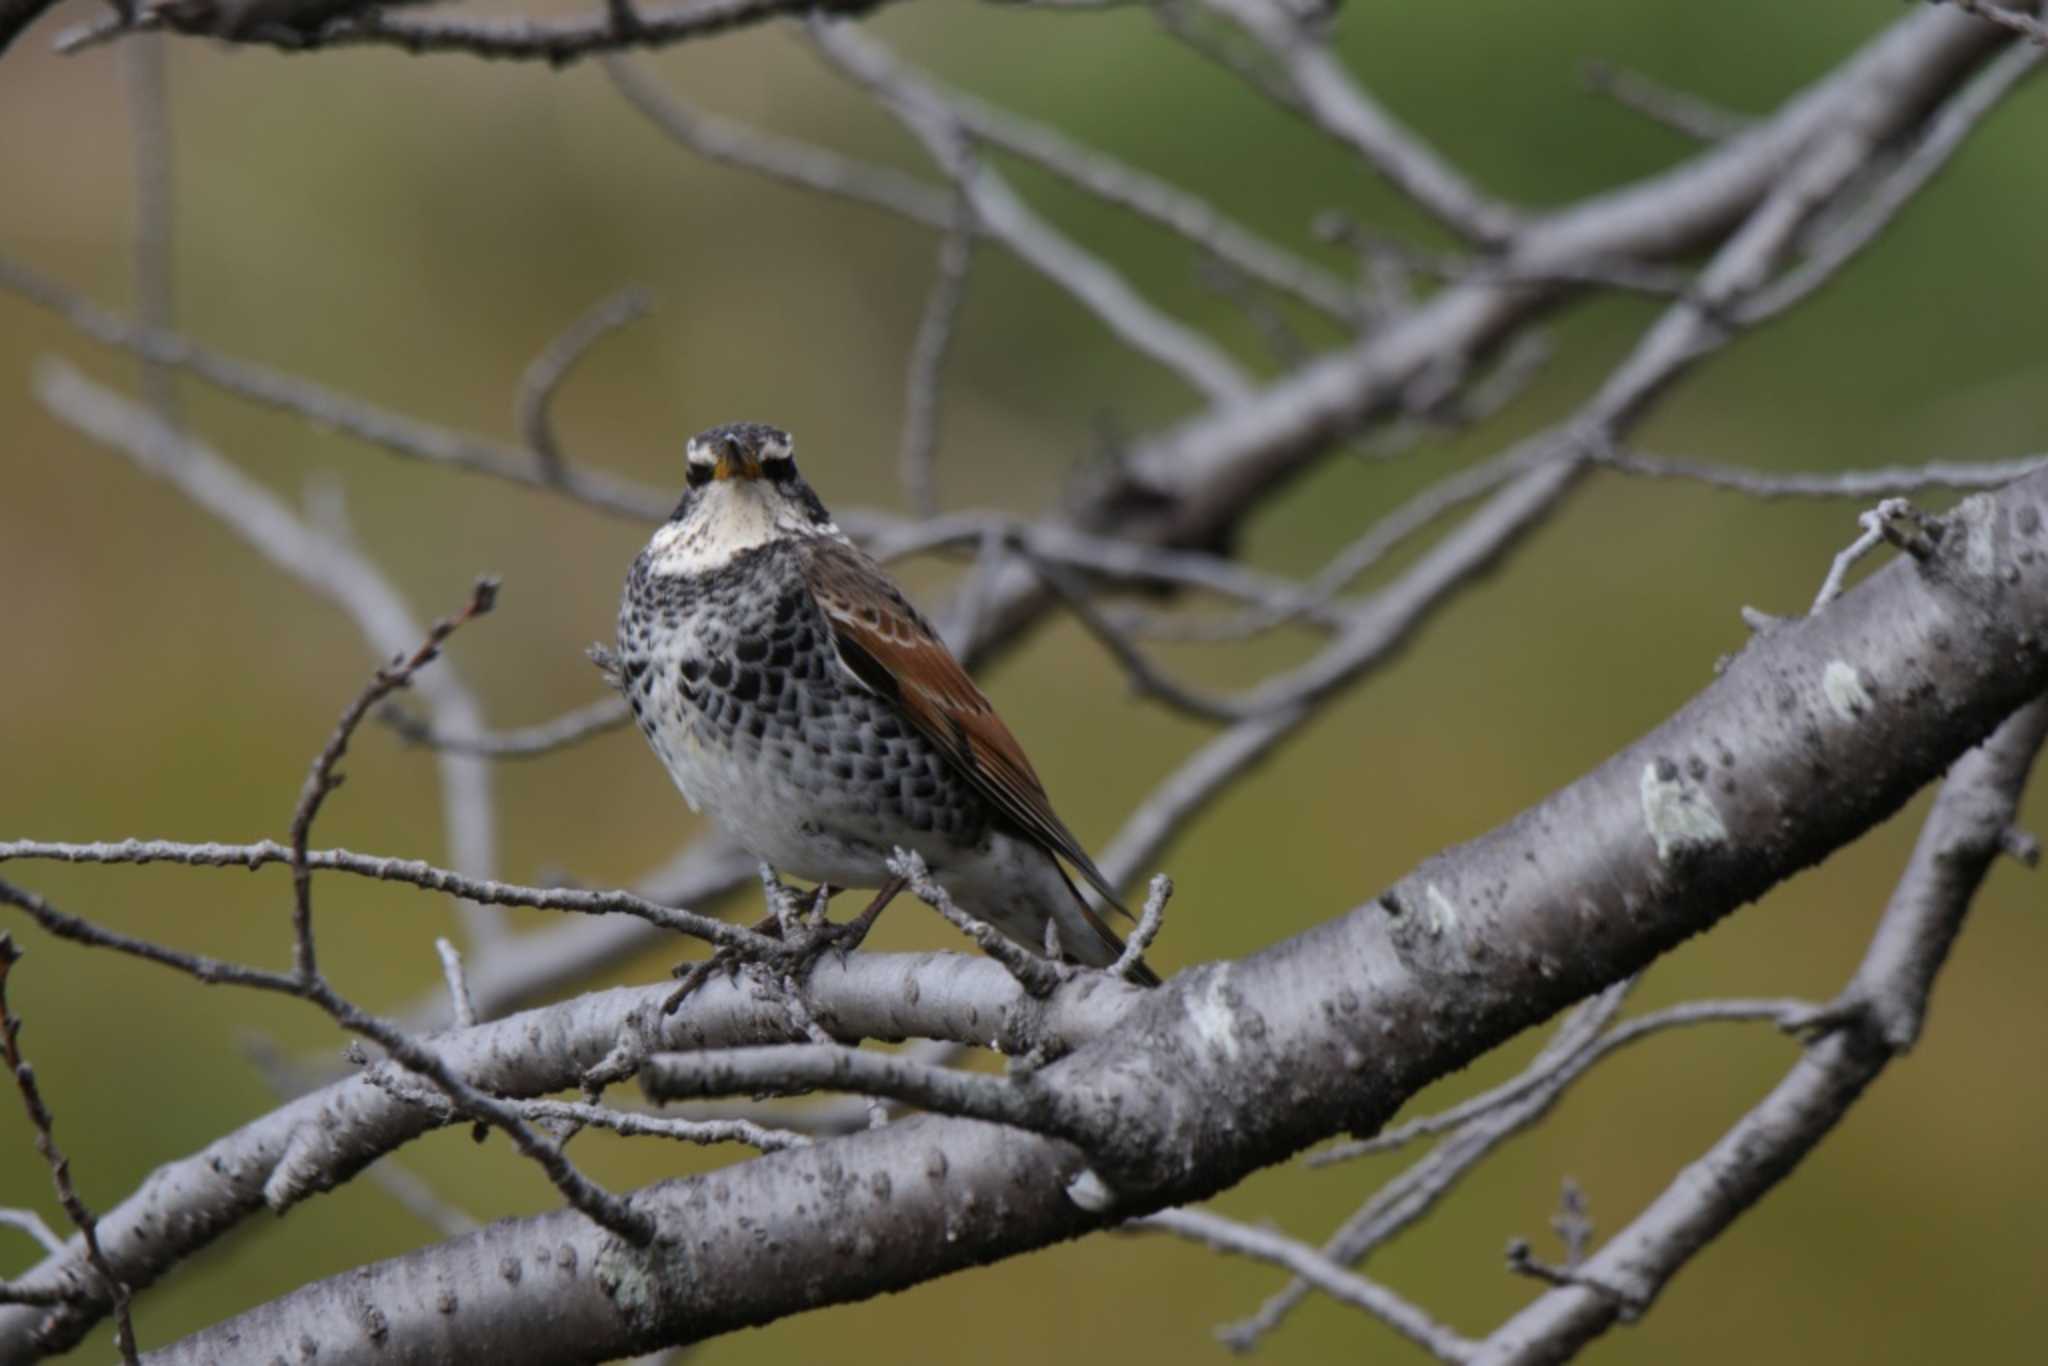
[{"x": 796, "y": 695}]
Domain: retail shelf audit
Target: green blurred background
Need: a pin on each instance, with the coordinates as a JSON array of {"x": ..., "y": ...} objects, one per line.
[{"x": 411, "y": 230}]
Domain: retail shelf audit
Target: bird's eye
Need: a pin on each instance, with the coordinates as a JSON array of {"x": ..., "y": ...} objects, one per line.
[
  {"x": 780, "y": 470},
  {"x": 698, "y": 473}
]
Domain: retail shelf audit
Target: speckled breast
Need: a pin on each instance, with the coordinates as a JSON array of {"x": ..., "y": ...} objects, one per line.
[{"x": 734, "y": 679}]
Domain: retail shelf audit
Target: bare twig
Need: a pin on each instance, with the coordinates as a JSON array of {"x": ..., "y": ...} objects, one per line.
[
  {"x": 458, "y": 986},
  {"x": 31, "y": 1223},
  {"x": 1150, "y": 920},
  {"x": 1146, "y": 678},
  {"x": 613, "y": 1213},
  {"x": 1573, "y": 1222},
  {"x": 534, "y": 409},
  {"x": 802, "y": 164},
  {"x": 524, "y": 742},
  {"x": 1340, "y": 1283},
  {"x": 927, "y": 355},
  {"x": 1561, "y": 1067},
  {"x": 331, "y": 568},
  {"x": 1867, "y": 483},
  {"x": 325, "y": 408},
  {"x": 322, "y": 778},
  {"x": 60, "y": 1166},
  {"x": 1342, "y": 109},
  {"x": 928, "y": 115},
  {"x": 1412, "y": 1194},
  {"x": 144, "y": 90},
  {"x": 1956, "y": 847},
  {"x": 1873, "y": 524},
  {"x": 1157, "y": 201},
  {"x": 307, "y": 983},
  {"x": 2018, "y": 21},
  {"x": 1938, "y": 142},
  {"x": 1523, "y": 1262},
  {"x": 1677, "y": 110},
  {"x": 700, "y": 1131},
  {"x": 1036, "y": 975},
  {"x": 1379, "y": 540},
  {"x": 413, "y": 872},
  {"x": 1217, "y": 41}
]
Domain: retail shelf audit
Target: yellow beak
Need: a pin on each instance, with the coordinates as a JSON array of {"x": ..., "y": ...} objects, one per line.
[{"x": 742, "y": 466}]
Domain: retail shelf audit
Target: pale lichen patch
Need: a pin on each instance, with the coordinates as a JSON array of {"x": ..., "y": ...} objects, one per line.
[
  {"x": 1441, "y": 913},
  {"x": 632, "y": 1277},
  {"x": 1678, "y": 812},
  {"x": 1214, "y": 1014},
  {"x": 1090, "y": 1192},
  {"x": 1843, "y": 687}
]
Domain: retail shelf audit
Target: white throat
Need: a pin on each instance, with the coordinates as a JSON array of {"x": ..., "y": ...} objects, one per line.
[{"x": 733, "y": 516}]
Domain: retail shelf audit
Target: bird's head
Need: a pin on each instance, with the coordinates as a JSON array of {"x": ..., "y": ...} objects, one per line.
[{"x": 744, "y": 491}]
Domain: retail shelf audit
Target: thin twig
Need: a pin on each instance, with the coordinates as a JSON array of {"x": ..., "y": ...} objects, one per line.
[
  {"x": 1886, "y": 999},
  {"x": 700, "y": 1131},
  {"x": 523, "y": 742},
  {"x": 1411, "y": 1195},
  {"x": 1038, "y": 976},
  {"x": 803, "y": 164},
  {"x": 1866, "y": 483},
  {"x": 1523, "y": 1262},
  {"x": 927, "y": 355},
  {"x": 1341, "y": 108},
  {"x": 31, "y": 1223},
  {"x": 609, "y": 1210},
  {"x": 331, "y": 568},
  {"x": 1146, "y": 678},
  {"x": 143, "y": 85},
  {"x": 1939, "y": 140},
  {"x": 1089, "y": 279},
  {"x": 1378, "y": 541},
  {"x": 534, "y": 408},
  {"x": 2026, "y": 25},
  {"x": 412, "y": 872},
  {"x": 1215, "y": 234},
  {"x": 458, "y": 987},
  {"x": 326, "y": 409},
  {"x": 322, "y": 779},
  {"x": 1567, "y": 1067},
  {"x": 1340, "y": 1283},
  {"x": 60, "y": 1166},
  {"x": 1150, "y": 921},
  {"x": 1873, "y": 524},
  {"x": 1677, "y": 110},
  {"x": 306, "y": 982}
]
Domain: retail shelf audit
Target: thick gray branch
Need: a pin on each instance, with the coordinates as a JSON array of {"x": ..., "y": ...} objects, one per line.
[
  {"x": 320, "y": 1140},
  {"x": 1819, "y": 729}
]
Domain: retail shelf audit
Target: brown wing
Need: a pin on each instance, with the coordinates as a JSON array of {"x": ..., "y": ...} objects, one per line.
[{"x": 889, "y": 647}]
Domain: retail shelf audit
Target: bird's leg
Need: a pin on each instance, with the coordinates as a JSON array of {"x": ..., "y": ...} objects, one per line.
[
  {"x": 696, "y": 974},
  {"x": 782, "y": 910},
  {"x": 808, "y": 943},
  {"x": 848, "y": 937}
]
